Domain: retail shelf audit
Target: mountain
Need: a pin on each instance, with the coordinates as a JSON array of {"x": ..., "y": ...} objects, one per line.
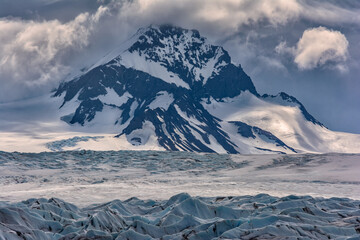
[{"x": 170, "y": 87}]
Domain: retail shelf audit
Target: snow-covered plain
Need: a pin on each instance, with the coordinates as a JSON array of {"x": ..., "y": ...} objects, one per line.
[{"x": 90, "y": 178}]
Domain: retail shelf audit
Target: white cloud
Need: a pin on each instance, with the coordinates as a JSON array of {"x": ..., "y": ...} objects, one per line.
[
  {"x": 37, "y": 52},
  {"x": 326, "y": 12},
  {"x": 224, "y": 16},
  {"x": 228, "y": 16},
  {"x": 235, "y": 12},
  {"x": 32, "y": 53},
  {"x": 318, "y": 47},
  {"x": 282, "y": 48}
]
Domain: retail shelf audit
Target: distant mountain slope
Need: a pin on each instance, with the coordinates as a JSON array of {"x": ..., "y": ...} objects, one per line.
[{"x": 170, "y": 87}]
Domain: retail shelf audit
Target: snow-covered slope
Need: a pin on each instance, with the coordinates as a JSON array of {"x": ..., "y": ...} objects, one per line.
[
  {"x": 168, "y": 88},
  {"x": 285, "y": 116}
]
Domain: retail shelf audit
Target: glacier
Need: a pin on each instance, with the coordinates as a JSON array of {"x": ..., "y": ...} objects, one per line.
[
  {"x": 184, "y": 217},
  {"x": 178, "y": 195},
  {"x": 97, "y": 176}
]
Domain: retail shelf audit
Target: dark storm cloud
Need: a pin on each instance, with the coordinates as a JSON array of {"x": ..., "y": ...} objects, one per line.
[{"x": 41, "y": 42}]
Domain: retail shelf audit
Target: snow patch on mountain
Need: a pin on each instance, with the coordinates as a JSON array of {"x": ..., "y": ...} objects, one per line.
[
  {"x": 190, "y": 119},
  {"x": 155, "y": 69},
  {"x": 112, "y": 98},
  {"x": 163, "y": 100},
  {"x": 209, "y": 68},
  {"x": 144, "y": 135}
]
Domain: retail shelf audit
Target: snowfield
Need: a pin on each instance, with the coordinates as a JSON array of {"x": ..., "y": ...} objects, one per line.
[{"x": 228, "y": 196}]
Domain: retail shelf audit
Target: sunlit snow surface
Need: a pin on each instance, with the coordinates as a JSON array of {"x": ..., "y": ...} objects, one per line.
[{"x": 224, "y": 189}]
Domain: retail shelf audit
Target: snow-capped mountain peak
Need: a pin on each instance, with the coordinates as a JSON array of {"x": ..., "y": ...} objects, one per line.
[
  {"x": 168, "y": 87},
  {"x": 181, "y": 51}
]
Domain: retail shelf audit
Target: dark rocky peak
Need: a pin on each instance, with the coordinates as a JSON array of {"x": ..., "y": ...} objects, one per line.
[
  {"x": 181, "y": 51},
  {"x": 175, "y": 43},
  {"x": 207, "y": 69}
]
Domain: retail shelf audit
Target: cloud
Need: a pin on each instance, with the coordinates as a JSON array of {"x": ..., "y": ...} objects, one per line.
[
  {"x": 33, "y": 53},
  {"x": 38, "y": 53},
  {"x": 318, "y": 47},
  {"x": 326, "y": 12},
  {"x": 212, "y": 16},
  {"x": 229, "y": 16},
  {"x": 282, "y": 48}
]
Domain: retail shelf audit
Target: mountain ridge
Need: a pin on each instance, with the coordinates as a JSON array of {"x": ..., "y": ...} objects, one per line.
[{"x": 167, "y": 84}]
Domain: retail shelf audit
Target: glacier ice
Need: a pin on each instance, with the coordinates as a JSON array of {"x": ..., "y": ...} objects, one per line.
[{"x": 184, "y": 217}]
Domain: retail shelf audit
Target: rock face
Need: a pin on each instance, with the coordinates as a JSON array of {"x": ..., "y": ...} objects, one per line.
[{"x": 167, "y": 82}]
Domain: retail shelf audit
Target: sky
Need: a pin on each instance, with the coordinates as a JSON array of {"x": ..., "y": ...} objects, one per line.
[{"x": 308, "y": 49}]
